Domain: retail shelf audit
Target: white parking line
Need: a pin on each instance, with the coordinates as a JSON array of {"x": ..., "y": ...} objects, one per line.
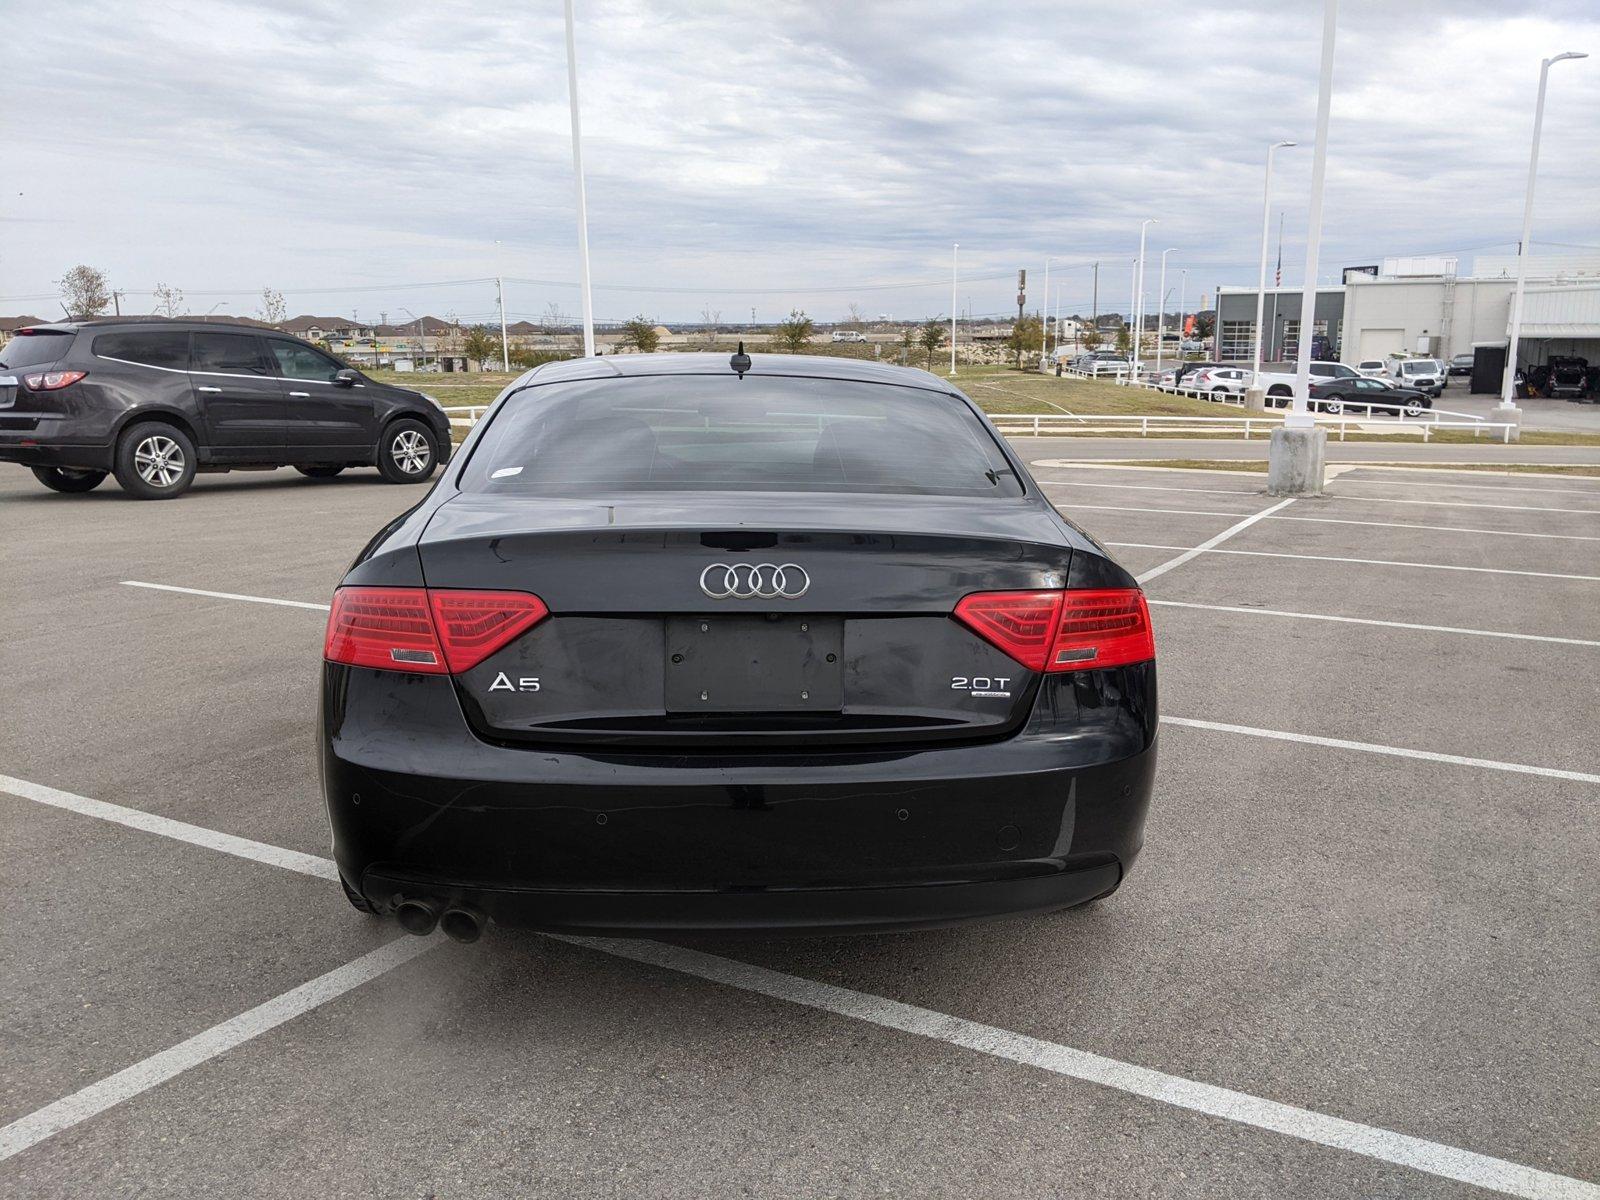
[
  {"x": 182, "y": 831},
  {"x": 1305, "y": 616},
  {"x": 219, "y": 1039},
  {"x": 1593, "y": 512},
  {"x": 1309, "y": 739},
  {"x": 1069, "y": 509},
  {"x": 1371, "y": 1141},
  {"x": 1206, "y": 548},
  {"x": 1151, "y": 487},
  {"x": 1564, "y": 537},
  {"x": 167, "y": 587},
  {"x": 1209, "y": 544},
  {"x": 1448, "y": 1162}
]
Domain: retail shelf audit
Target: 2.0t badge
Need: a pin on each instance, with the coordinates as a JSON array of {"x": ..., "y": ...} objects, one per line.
[{"x": 753, "y": 581}]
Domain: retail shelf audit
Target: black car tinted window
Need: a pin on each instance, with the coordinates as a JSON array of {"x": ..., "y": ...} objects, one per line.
[
  {"x": 706, "y": 432},
  {"x": 230, "y": 354},
  {"x": 302, "y": 362},
  {"x": 29, "y": 349},
  {"x": 156, "y": 348}
]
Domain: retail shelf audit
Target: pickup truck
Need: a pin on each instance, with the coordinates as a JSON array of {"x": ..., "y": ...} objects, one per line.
[{"x": 1280, "y": 384}]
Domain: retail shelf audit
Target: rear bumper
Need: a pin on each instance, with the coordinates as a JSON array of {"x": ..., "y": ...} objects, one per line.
[
  {"x": 809, "y": 910},
  {"x": 632, "y": 843},
  {"x": 47, "y": 439}
]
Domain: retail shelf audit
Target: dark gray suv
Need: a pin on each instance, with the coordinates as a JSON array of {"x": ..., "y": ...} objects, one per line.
[{"x": 153, "y": 401}]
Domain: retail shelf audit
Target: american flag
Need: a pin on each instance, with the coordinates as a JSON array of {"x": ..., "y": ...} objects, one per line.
[{"x": 1277, "y": 276}]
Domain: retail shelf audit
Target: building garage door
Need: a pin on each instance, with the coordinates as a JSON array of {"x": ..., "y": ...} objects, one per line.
[{"x": 1375, "y": 343}]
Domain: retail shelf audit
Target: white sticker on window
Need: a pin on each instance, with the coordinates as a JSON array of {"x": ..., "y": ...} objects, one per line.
[{"x": 504, "y": 471}]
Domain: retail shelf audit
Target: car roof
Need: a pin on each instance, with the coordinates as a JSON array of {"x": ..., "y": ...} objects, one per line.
[
  {"x": 808, "y": 366},
  {"x": 182, "y": 323}
]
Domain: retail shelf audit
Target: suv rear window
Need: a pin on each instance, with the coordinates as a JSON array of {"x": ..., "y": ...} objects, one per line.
[
  {"x": 156, "y": 348},
  {"x": 714, "y": 433},
  {"x": 31, "y": 348}
]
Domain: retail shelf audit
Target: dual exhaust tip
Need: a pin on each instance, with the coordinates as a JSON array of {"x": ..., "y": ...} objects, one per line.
[{"x": 421, "y": 915}]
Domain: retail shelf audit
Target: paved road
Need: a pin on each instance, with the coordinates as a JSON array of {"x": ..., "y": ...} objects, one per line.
[{"x": 1407, "y": 943}]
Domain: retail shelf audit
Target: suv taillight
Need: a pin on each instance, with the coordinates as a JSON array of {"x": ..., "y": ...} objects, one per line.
[
  {"x": 1076, "y": 630},
  {"x": 49, "y": 381},
  {"x": 429, "y": 631}
]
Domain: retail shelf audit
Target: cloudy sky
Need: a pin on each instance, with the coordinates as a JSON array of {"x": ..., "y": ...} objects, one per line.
[{"x": 763, "y": 155}]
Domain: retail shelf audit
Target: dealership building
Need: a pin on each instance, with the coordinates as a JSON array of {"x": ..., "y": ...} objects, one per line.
[{"x": 1422, "y": 306}]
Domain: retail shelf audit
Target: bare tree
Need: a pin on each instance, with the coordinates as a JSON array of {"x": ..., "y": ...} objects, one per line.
[
  {"x": 169, "y": 300},
  {"x": 855, "y": 320},
  {"x": 554, "y": 320},
  {"x": 710, "y": 318},
  {"x": 272, "y": 309},
  {"x": 85, "y": 291}
]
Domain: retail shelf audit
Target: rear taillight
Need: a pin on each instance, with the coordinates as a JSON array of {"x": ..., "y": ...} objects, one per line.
[
  {"x": 428, "y": 631},
  {"x": 473, "y": 625},
  {"x": 1063, "y": 631},
  {"x": 49, "y": 381}
]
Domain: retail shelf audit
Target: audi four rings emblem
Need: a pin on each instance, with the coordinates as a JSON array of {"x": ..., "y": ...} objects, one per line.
[{"x": 755, "y": 581}]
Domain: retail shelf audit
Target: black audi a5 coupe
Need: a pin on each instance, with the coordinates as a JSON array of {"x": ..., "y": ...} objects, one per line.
[
  {"x": 154, "y": 401},
  {"x": 680, "y": 642}
]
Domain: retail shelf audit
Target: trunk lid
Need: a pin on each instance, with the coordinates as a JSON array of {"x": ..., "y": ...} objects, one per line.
[{"x": 805, "y": 616}]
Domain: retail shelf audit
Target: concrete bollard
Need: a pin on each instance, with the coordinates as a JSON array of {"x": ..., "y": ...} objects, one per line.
[
  {"x": 1255, "y": 400},
  {"x": 1512, "y": 414},
  {"x": 1295, "y": 461}
]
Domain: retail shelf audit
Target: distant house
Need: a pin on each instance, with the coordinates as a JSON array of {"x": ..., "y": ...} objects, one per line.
[{"x": 9, "y": 326}]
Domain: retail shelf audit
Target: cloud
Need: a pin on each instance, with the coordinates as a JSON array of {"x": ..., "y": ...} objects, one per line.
[{"x": 796, "y": 149}]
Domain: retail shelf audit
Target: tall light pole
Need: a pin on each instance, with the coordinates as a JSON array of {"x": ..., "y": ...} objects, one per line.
[
  {"x": 1508, "y": 384},
  {"x": 1138, "y": 297},
  {"x": 1044, "y": 325},
  {"x": 1161, "y": 308},
  {"x": 1295, "y": 465},
  {"x": 577, "y": 172},
  {"x": 1300, "y": 416},
  {"x": 500, "y": 295},
  {"x": 1261, "y": 286},
  {"x": 422, "y": 336},
  {"x": 955, "y": 251}
]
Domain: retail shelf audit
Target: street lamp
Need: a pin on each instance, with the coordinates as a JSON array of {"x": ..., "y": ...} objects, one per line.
[
  {"x": 1507, "y": 385},
  {"x": 1138, "y": 296},
  {"x": 213, "y": 308},
  {"x": 1044, "y": 325},
  {"x": 1261, "y": 286},
  {"x": 1161, "y": 308},
  {"x": 422, "y": 336},
  {"x": 577, "y": 172},
  {"x": 955, "y": 250},
  {"x": 1299, "y": 416}
]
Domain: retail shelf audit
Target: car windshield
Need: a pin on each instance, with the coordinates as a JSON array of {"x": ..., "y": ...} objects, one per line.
[
  {"x": 723, "y": 433},
  {"x": 35, "y": 348}
]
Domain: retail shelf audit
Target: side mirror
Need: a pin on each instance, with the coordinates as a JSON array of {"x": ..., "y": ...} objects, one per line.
[{"x": 347, "y": 378}]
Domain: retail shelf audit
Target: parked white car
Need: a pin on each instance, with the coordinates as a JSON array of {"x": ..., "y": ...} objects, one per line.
[
  {"x": 1372, "y": 368},
  {"x": 1219, "y": 381}
]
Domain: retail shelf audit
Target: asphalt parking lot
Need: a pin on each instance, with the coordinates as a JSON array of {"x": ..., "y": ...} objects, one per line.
[{"x": 1357, "y": 958}]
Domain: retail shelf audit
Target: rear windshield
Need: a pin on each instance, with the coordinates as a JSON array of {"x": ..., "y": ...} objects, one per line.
[
  {"x": 706, "y": 432},
  {"x": 30, "y": 349}
]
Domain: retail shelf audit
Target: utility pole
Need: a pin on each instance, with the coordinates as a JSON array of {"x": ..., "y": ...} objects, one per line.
[
  {"x": 116, "y": 300},
  {"x": 1022, "y": 298},
  {"x": 505, "y": 345},
  {"x": 1095, "y": 303}
]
